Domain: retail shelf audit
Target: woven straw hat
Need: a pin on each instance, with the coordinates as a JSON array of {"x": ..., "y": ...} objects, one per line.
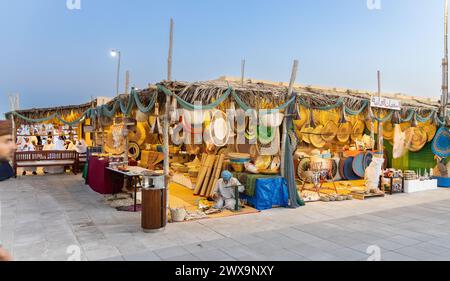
[
  {"x": 330, "y": 131},
  {"x": 418, "y": 138},
  {"x": 345, "y": 129},
  {"x": 316, "y": 137}
]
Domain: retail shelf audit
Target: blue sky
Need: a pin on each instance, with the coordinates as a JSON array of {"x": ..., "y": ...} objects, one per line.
[{"x": 55, "y": 56}]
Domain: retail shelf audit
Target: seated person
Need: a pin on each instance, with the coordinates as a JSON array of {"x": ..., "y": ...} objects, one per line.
[{"x": 224, "y": 192}]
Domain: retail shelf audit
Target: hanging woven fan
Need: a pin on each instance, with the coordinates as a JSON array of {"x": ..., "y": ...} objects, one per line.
[
  {"x": 345, "y": 129},
  {"x": 330, "y": 131},
  {"x": 303, "y": 170},
  {"x": 134, "y": 151},
  {"x": 418, "y": 138},
  {"x": 430, "y": 129},
  {"x": 441, "y": 143},
  {"x": 326, "y": 116},
  {"x": 306, "y": 133},
  {"x": 405, "y": 126},
  {"x": 266, "y": 134},
  {"x": 273, "y": 147},
  {"x": 303, "y": 117},
  {"x": 138, "y": 135},
  {"x": 369, "y": 125},
  {"x": 388, "y": 131},
  {"x": 358, "y": 130},
  {"x": 316, "y": 137}
]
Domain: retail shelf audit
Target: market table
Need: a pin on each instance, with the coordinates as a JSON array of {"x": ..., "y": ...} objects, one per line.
[
  {"x": 102, "y": 180},
  {"x": 134, "y": 173},
  {"x": 412, "y": 186}
]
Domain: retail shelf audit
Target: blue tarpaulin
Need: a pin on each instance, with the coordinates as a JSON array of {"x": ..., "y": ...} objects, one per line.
[{"x": 268, "y": 193}]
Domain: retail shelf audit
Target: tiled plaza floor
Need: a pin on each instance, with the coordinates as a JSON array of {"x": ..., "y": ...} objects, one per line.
[{"x": 47, "y": 217}]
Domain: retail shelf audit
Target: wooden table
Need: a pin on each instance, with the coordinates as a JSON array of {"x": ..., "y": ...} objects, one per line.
[{"x": 135, "y": 174}]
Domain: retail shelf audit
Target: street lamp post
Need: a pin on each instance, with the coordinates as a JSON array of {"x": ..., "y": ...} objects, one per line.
[{"x": 116, "y": 53}]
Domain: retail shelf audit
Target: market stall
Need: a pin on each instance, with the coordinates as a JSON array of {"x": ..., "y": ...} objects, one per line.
[{"x": 282, "y": 147}]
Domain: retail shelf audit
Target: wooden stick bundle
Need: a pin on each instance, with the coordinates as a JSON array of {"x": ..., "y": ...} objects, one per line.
[
  {"x": 216, "y": 176},
  {"x": 209, "y": 165}
]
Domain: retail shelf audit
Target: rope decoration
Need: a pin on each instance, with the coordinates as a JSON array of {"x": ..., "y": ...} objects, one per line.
[{"x": 188, "y": 96}]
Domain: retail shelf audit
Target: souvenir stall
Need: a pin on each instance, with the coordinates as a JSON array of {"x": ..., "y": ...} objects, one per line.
[
  {"x": 203, "y": 145},
  {"x": 338, "y": 134}
]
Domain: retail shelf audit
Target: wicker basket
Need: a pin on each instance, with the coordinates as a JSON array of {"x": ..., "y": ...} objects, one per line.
[
  {"x": 178, "y": 214},
  {"x": 238, "y": 167}
]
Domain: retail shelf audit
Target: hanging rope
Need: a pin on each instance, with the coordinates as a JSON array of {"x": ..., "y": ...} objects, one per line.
[
  {"x": 192, "y": 107},
  {"x": 385, "y": 118},
  {"x": 140, "y": 105},
  {"x": 38, "y": 120},
  {"x": 352, "y": 112},
  {"x": 409, "y": 117},
  {"x": 126, "y": 110},
  {"x": 337, "y": 104},
  {"x": 424, "y": 119}
]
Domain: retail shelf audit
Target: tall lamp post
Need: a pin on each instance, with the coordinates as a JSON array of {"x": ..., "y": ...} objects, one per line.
[{"x": 116, "y": 53}]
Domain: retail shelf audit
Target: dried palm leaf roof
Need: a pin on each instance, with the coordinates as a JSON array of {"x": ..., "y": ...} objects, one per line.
[{"x": 251, "y": 90}]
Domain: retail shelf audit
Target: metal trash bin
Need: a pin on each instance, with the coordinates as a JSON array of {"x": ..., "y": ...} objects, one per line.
[{"x": 154, "y": 204}]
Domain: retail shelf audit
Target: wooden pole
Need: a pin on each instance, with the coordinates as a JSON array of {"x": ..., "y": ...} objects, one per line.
[
  {"x": 285, "y": 136},
  {"x": 167, "y": 107},
  {"x": 380, "y": 124},
  {"x": 127, "y": 82},
  {"x": 169, "y": 61},
  {"x": 242, "y": 72}
]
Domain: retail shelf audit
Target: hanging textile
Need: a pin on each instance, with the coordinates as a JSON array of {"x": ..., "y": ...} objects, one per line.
[{"x": 289, "y": 173}]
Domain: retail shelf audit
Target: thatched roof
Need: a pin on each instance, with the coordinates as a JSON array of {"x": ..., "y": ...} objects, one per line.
[
  {"x": 36, "y": 113},
  {"x": 253, "y": 90}
]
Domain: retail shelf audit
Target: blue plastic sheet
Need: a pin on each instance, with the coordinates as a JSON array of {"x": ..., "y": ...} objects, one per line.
[{"x": 268, "y": 193}]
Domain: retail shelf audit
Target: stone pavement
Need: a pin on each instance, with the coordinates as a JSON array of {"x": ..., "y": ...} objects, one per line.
[{"x": 51, "y": 217}]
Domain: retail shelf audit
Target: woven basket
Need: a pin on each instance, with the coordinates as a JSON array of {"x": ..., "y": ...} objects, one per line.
[
  {"x": 178, "y": 214},
  {"x": 238, "y": 167}
]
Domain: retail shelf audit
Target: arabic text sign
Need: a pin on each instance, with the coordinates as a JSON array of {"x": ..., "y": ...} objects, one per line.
[{"x": 385, "y": 103}]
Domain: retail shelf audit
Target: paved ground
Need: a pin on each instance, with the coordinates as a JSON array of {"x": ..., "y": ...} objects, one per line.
[{"x": 41, "y": 217}]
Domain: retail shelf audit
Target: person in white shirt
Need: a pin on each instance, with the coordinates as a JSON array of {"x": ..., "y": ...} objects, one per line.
[
  {"x": 224, "y": 192},
  {"x": 57, "y": 145},
  {"x": 27, "y": 146},
  {"x": 80, "y": 146}
]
